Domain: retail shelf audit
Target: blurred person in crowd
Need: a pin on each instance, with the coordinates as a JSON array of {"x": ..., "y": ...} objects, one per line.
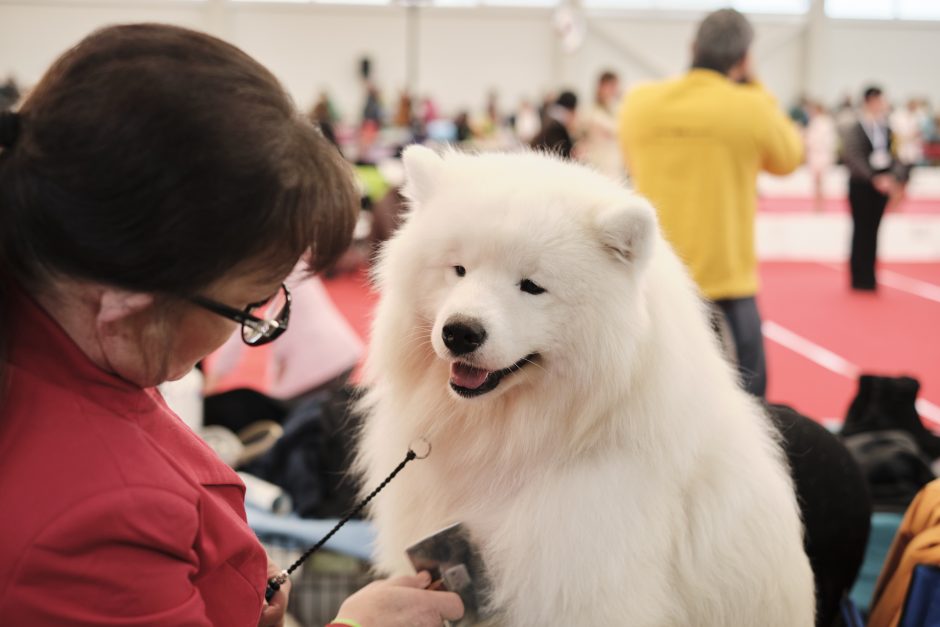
[
  {"x": 322, "y": 116},
  {"x": 492, "y": 115},
  {"x": 487, "y": 123},
  {"x": 928, "y": 128},
  {"x": 119, "y": 270},
  {"x": 599, "y": 146},
  {"x": 931, "y": 133},
  {"x": 373, "y": 118},
  {"x": 548, "y": 101},
  {"x": 527, "y": 121},
  {"x": 907, "y": 129},
  {"x": 427, "y": 111},
  {"x": 326, "y": 104},
  {"x": 462, "y": 124},
  {"x": 9, "y": 94},
  {"x": 906, "y": 125},
  {"x": 845, "y": 116},
  {"x": 874, "y": 175},
  {"x": 404, "y": 114},
  {"x": 372, "y": 111},
  {"x": 694, "y": 146},
  {"x": 558, "y": 126},
  {"x": 821, "y": 143},
  {"x": 799, "y": 112}
]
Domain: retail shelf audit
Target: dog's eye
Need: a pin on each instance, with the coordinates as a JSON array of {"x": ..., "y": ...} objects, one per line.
[
  {"x": 530, "y": 287},
  {"x": 460, "y": 270}
]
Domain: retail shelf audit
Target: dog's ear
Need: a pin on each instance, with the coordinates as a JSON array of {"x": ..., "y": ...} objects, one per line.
[
  {"x": 422, "y": 170},
  {"x": 628, "y": 230}
]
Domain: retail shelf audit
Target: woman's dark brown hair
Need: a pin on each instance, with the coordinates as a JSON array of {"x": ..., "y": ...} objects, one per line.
[{"x": 158, "y": 159}]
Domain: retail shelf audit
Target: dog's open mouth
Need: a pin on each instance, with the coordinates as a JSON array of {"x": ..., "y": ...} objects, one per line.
[{"x": 469, "y": 381}]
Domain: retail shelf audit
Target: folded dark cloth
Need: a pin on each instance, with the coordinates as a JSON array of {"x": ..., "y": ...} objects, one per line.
[{"x": 311, "y": 460}]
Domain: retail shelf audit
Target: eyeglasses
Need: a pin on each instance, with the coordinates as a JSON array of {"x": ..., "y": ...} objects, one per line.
[{"x": 261, "y": 322}]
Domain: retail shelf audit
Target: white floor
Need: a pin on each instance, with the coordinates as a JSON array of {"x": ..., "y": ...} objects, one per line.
[
  {"x": 826, "y": 237},
  {"x": 800, "y": 236},
  {"x": 924, "y": 183}
]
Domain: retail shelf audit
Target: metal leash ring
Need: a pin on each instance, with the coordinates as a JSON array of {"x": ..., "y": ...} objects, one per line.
[{"x": 424, "y": 445}]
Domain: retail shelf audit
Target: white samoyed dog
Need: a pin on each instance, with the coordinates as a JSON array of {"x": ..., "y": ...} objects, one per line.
[{"x": 538, "y": 331}]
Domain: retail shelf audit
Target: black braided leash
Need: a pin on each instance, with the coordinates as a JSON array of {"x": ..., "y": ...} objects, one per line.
[{"x": 275, "y": 583}]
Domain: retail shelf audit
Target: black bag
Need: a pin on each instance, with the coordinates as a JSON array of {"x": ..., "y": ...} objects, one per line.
[
  {"x": 888, "y": 403},
  {"x": 893, "y": 465}
]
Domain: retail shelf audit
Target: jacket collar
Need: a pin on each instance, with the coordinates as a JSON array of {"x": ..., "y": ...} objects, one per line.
[
  {"x": 40, "y": 346},
  {"x": 705, "y": 74}
]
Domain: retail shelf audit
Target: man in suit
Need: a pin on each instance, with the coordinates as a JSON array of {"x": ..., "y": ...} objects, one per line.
[
  {"x": 555, "y": 135},
  {"x": 874, "y": 173}
]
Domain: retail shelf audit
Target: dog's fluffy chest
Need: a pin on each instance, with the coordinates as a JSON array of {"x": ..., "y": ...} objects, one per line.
[{"x": 529, "y": 539}]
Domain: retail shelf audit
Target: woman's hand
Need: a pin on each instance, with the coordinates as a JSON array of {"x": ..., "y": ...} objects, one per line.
[
  {"x": 273, "y": 613},
  {"x": 401, "y": 602}
]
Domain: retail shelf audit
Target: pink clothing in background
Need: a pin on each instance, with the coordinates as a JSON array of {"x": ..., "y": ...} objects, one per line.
[{"x": 318, "y": 345}]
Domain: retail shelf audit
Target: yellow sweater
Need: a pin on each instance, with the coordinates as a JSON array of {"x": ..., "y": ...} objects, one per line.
[{"x": 694, "y": 146}]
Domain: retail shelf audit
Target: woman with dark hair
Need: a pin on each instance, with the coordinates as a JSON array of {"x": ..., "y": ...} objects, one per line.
[{"x": 156, "y": 188}]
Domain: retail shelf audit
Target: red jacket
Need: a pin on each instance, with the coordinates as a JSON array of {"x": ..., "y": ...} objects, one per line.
[{"x": 112, "y": 512}]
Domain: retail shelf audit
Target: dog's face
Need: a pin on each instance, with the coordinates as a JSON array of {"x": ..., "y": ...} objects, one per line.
[
  {"x": 493, "y": 314},
  {"x": 510, "y": 261}
]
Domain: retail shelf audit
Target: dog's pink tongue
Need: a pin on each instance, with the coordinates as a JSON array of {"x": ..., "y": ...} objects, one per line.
[{"x": 467, "y": 376}]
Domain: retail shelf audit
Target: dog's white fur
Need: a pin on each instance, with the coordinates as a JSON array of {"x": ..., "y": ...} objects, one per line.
[{"x": 622, "y": 479}]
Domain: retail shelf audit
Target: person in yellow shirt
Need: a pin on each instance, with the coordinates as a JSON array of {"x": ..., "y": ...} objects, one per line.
[{"x": 694, "y": 146}]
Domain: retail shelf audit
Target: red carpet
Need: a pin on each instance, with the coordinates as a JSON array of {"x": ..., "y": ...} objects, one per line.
[
  {"x": 891, "y": 332},
  {"x": 355, "y": 298}
]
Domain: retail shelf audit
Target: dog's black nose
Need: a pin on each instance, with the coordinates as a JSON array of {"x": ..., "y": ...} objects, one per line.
[{"x": 463, "y": 336}]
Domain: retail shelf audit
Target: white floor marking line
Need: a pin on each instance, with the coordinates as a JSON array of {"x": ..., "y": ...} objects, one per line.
[
  {"x": 832, "y": 362},
  {"x": 810, "y": 350},
  {"x": 898, "y": 281},
  {"x": 916, "y": 287},
  {"x": 928, "y": 410}
]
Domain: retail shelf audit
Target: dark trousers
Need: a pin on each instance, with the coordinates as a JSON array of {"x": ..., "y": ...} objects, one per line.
[
  {"x": 745, "y": 323},
  {"x": 868, "y": 206}
]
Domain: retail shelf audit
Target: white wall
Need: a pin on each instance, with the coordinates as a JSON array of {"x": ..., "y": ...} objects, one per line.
[
  {"x": 461, "y": 53},
  {"x": 314, "y": 50},
  {"x": 33, "y": 34},
  {"x": 901, "y": 56},
  {"x": 642, "y": 48},
  {"x": 464, "y": 52}
]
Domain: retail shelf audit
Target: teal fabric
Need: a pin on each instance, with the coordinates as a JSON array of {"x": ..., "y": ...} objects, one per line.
[
  {"x": 883, "y": 527},
  {"x": 354, "y": 539}
]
